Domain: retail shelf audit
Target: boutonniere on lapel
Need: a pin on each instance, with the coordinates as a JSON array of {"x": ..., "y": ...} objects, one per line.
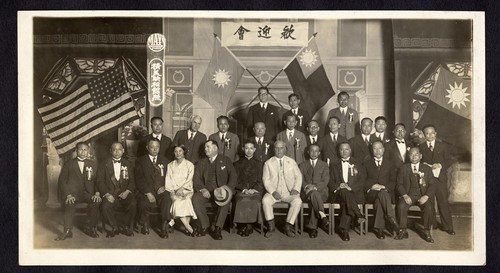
[
  {"x": 125, "y": 172},
  {"x": 272, "y": 113},
  {"x": 387, "y": 140},
  {"x": 227, "y": 143},
  {"x": 421, "y": 178},
  {"x": 353, "y": 170},
  {"x": 297, "y": 143},
  {"x": 300, "y": 119},
  {"x": 222, "y": 168},
  {"x": 90, "y": 172},
  {"x": 267, "y": 148},
  {"x": 161, "y": 169},
  {"x": 351, "y": 114},
  {"x": 408, "y": 149}
]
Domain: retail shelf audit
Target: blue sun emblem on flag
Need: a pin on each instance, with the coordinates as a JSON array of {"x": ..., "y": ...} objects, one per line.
[
  {"x": 457, "y": 95},
  {"x": 221, "y": 78},
  {"x": 308, "y": 58}
]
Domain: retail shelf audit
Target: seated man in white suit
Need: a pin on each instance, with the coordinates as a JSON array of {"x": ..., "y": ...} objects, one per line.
[{"x": 282, "y": 180}]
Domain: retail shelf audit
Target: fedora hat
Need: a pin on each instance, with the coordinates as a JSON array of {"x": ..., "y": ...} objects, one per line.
[{"x": 223, "y": 195}]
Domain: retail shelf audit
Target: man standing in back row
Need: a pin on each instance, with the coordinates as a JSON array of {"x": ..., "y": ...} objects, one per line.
[
  {"x": 264, "y": 112},
  {"x": 192, "y": 139},
  {"x": 349, "y": 118}
]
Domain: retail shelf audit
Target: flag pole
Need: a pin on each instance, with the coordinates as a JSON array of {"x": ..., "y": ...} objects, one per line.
[
  {"x": 234, "y": 56},
  {"x": 291, "y": 60}
]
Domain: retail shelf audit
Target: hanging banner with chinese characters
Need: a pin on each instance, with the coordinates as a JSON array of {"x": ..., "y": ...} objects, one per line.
[
  {"x": 265, "y": 34},
  {"x": 156, "y": 70}
]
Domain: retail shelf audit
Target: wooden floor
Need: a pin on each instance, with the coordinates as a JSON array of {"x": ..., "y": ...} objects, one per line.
[{"x": 48, "y": 224}]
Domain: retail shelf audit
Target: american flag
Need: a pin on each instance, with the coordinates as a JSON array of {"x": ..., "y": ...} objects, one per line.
[{"x": 101, "y": 105}]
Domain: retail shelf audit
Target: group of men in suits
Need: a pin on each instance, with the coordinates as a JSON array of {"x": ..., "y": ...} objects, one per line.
[{"x": 299, "y": 166}]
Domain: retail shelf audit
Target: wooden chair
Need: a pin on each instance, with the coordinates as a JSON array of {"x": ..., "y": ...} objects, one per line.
[
  {"x": 326, "y": 206},
  {"x": 362, "y": 227}
]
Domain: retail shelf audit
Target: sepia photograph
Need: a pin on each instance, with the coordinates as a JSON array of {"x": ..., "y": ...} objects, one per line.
[{"x": 252, "y": 138}]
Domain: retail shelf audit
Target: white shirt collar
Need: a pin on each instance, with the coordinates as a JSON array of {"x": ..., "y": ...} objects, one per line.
[
  {"x": 432, "y": 143},
  {"x": 212, "y": 159},
  {"x": 347, "y": 160},
  {"x": 152, "y": 157},
  {"x": 379, "y": 135},
  {"x": 220, "y": 135},
  {"x": 344, "y": 109},
  {"x": 157, "y": 136},
  {"x": 263, "y": 105},
  {"x": 288, "y": 131},
  {"x": 314, "y": 161}
]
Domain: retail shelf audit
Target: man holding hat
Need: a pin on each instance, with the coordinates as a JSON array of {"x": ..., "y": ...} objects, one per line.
[{"x": 214, "y": 181}]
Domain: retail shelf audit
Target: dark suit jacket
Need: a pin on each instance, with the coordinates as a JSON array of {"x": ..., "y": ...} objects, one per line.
[
  {"x": 319, "y": 176},
  {"x": 347, "y": 126},
  {"x": 360, "y": 151},
  {"x": 440, "y": 155},
  {"x": 386, "y": 176},
  {"x": 230, "y": 150},
  {"x": 195, "y": 148},
  {"x": 355, "y": 181},
  {"x": 385, "y": 139},
  {"x": 292, "y": 151},
  {"x": 270, "y": 118},
  {"x": 392, "y": 150},
  {"x": 71, "y": 180},
  {"x": 329, "y": 149},
  {"x": 301, "y": 125},
  {"x": 405, "y": 176},
  {"x": 146, "y": 177},
  {"x": 261, "y": 153},
  {"x": 107, "y": 182},
  {"x": 164, "y": 146},
  {"x": 224, "y": 172},
  {"x": 308, "y": 139}
]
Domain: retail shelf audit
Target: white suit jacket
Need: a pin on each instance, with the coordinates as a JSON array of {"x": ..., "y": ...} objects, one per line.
[{"x": 293, "y": 176}]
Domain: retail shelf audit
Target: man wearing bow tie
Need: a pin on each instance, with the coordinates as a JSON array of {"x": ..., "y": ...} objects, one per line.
[
  {"x": 346, "y": 187},
  {"x": 415, "y": 185},
  {"x": 282, "y": 180},
  {"x": 398, "y": 147},
  {"x": 315, "y": 178},
  {"x": 380, "y": 181},
  {"x": 229, "y": 142},
  {"x": 192, "y": 139},
  {"x": 150, "y": 173},
  {"x": 165, "y": 142},
  {"x": 302, "y": 115},
  {"x": 361, "y": 144},
  {"x": 210, "y": 174},
  {"x": 264, "y": 112},
  {"x": 77, "y": 182},
  {"x": 263, "y": 146},
  {"x": 115, "y": 179},
  {"x": 437, "y": 155},
  {"x": 349, "y": 118}
]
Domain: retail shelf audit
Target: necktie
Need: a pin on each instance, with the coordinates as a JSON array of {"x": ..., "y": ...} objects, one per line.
[
  {"x": 431, "y": 148},
  {"x": 342, "y": 112},
  {"x": 334, "y": 138},
  {"x": 312, "y": 163},
  {"x": 263, "y": 106},
  {"x": 378, "y": 163},
  {"x": 290, "y": 136},
  {"x": 313, "y": 141},
  {"x": 294, "y": 111},
  {"x": 223, "y": 137},
  {"x": 260, "y": 141},
  {"x": 281, "y": 163},
  {"x": 154, "y": 160},
  {"x": 191, "y": 136},
  {"x": 415, "y": 169},
  {"x": 366, "y": 141}
]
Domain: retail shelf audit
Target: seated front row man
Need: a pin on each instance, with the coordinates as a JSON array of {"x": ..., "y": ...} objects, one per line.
[
  {"x": 116, "y": 184},
  {"x": 416, "y": 186},
  {"x": 315, "y": 179},
  {"x": 282, "y": 180},
  {"x": 214, "y": 173},
  {"x": 150, "y": 171},
  {"x": 347, "y": 188},
  {"x": 77, "y": 185},
  {"x": 380, "y": 178}
]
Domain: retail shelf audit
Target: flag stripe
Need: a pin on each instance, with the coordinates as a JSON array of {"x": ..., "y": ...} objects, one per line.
[
  {"x": 69, "y": 112},
  {"x": 60, "y": 104},
  {"x": 86, "y": 114},
  {"x": 66, "y": 147},
  {"x": 90, "y": 120}
]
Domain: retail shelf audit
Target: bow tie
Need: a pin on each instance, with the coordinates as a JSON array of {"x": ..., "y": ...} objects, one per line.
[
  {"x": 400, "y": 141},
  {"x": 117, "y": 161},
  {"x": 80, "y": 160},
  {"x": 345, "y": 161}
]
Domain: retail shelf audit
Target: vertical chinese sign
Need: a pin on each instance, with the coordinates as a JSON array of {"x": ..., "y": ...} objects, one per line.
[{"x": 156, "y": 71}]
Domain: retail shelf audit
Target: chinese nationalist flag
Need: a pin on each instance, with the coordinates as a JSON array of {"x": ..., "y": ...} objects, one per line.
[
  {"x": 449, "y": 109},
  {"x": 221, "y": 79},
  {"x": 308, "y": 78}
]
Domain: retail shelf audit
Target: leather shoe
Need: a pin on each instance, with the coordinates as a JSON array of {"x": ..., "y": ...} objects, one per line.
[
  {"x": 450, "y": 231},
  {"x": 394, "y": 224},
  {"x": 201, "y": 232},
  {"x": 380, "y": 233},
  {"x": 401, "y": 234},
  {"x": 288, "y": 230},
  {"x": 428, "y": 237},
  {"x": 128, "y": 232},
  {"x": 67, "y": 234},
  {"x": 313, "y": 233},
  {"x": 164, "y": 230},
  {"x": 145, "y": 229},
  {"x": 325, "y": 223},
  {"x": 93, "y": 232},
  {"x": 242, "y": 230},
  {"x": 112, "y": 233},
  {"x": 270, "y": 229},
  {"x": 344, "y": 235},
  {"x": 217, "y": 233},
  {"x": 248, "y": 231}
]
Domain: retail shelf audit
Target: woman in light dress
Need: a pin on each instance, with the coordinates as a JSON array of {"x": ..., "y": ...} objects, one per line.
[{"x": 179, "y": 182}]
